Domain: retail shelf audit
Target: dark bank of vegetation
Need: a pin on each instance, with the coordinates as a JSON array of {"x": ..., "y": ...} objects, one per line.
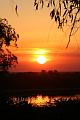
[
  {"x": 64, "y": 12},
  {"x": 64, "y": 110},
  {"x": 40, "y": 81}
]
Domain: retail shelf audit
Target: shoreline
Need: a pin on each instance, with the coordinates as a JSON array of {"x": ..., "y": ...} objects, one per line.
[{"x": 48, "y": 92}]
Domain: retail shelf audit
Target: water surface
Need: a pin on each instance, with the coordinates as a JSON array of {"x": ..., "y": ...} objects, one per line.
[{"x": 42, "y": 101}]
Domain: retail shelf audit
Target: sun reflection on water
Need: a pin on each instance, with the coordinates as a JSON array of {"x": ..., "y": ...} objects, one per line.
[{"x": 41, "y": 101}]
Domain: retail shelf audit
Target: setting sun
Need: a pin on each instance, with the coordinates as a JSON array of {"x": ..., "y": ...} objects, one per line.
[{"x": 41, "y": 59}]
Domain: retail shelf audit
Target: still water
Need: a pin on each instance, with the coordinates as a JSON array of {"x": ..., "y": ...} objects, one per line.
[{"x": 41, "y": 101}]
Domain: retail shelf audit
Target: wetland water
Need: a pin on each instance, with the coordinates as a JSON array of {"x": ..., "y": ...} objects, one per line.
[
  {"x": 39, "y": 106},
  {"x": 41, "y": 101}
]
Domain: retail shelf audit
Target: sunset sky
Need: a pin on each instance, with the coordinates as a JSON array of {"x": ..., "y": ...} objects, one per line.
[{"x": 39, "y": 36}]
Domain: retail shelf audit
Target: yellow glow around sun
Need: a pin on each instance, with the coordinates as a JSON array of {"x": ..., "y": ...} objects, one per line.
[
  {"x": 41, "y": 59},
  {"x": 40, "y": 56}
]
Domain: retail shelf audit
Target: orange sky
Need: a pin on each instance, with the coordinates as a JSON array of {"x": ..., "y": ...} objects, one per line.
[{"x": 38, "y": 33}]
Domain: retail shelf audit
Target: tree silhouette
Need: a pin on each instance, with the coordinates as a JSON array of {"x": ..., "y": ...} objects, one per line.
[
  {"x": 64, "y": 12},
  {"x": 7, "y": 35}
]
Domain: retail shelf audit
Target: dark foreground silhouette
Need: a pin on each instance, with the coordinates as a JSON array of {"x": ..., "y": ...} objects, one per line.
[
  {"x": 40, "y": 83},
  {"x": 49, "y": 83},
  {"x": 63, "y": 110},
  {"x": 39, "y": 80}
]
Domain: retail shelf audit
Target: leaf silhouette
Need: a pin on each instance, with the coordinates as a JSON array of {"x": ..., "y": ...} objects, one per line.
[
  {"x": 16, "y": 10},
  {"x": 36, "y": 6},
  {"x": 52, "y": 13}
]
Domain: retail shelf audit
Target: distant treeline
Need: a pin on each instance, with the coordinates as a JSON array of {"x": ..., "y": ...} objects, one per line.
[{"x": 39, "y": 80}]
